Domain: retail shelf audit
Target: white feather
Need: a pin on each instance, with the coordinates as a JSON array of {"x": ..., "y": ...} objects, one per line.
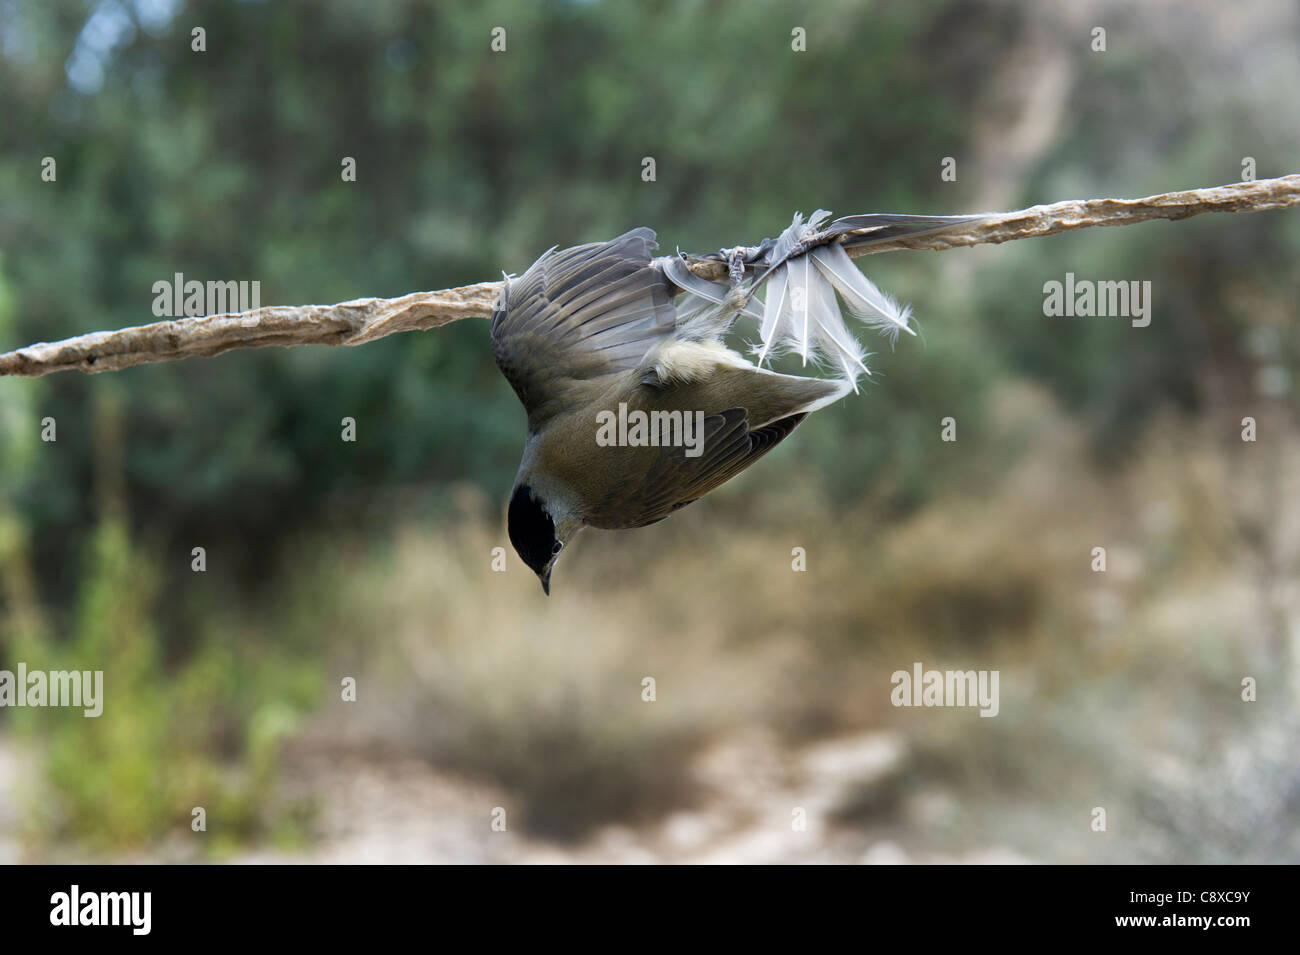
[
  {"x": 772, "y": 307},
  {"x": 833, "y": 339},
  {"x": 864, "y": 299},
  {"x": 801, "y": 310},
  {"x": 787, "y": 239},
  {"x": 801, "y": 301}
]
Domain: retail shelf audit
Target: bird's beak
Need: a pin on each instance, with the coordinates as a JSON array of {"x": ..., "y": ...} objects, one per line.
[{"x": 545, "y": 577}]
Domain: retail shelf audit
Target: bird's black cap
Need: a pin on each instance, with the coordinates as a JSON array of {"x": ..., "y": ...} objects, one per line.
[{"x": 532, "y": 532}]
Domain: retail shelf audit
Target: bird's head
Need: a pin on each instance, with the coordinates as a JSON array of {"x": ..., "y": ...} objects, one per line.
[{"x": 539, "y": 531}]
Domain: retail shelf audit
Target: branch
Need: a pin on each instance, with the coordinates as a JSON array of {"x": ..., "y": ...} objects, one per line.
[
  {"x": 364, "y": 320},
  {"x": 348, "y": 323}
]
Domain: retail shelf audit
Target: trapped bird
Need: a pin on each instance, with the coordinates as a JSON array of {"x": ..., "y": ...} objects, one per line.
[{"x": 636, "y": 406}]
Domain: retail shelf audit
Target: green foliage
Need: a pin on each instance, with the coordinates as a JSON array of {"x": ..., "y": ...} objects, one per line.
[
  {"x": 202, "y": 733},
  {"x": 225, "y": 164}
]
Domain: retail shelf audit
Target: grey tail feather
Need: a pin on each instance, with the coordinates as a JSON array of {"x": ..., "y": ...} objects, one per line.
[{"x": 879, "y": 227}]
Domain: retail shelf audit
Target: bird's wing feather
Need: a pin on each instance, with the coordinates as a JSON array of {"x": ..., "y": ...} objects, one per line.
[
  {"x": 580, "y": 314},
  {"x": 729, "y": 448}
]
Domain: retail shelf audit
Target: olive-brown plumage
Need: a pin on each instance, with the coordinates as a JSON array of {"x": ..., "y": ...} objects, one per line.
[
  {"x": 605, "y": 332},
  {"x": 589, "y": 329}
]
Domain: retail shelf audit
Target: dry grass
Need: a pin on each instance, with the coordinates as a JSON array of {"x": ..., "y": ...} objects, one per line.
[{"x": 1106, "y": 678}]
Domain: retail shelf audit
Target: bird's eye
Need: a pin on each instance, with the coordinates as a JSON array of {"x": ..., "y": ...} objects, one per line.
[{"x": 557, "y": 547}]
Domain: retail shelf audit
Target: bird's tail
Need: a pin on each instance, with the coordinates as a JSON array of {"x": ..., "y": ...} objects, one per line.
[
  {"x": 807, "y": 281},
  {"x": 801, "y": 310}
]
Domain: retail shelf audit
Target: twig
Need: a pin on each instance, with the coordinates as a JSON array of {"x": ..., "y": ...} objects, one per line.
[{"x": 364, "y": 320}]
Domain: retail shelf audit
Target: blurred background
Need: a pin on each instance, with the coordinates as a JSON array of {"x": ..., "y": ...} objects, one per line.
[{"x": 373, "y": 560}]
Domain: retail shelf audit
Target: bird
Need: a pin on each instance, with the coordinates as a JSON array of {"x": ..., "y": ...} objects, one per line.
[{"x": 636, "y": 405}]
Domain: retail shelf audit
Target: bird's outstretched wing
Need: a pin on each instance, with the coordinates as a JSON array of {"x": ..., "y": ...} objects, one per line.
[{"x": 578, "y": 315}]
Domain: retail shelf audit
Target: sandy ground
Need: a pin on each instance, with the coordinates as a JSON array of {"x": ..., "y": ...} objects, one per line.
[
  {"x": 373, "y": 807},
  {"x": 762, "y": 809}
]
